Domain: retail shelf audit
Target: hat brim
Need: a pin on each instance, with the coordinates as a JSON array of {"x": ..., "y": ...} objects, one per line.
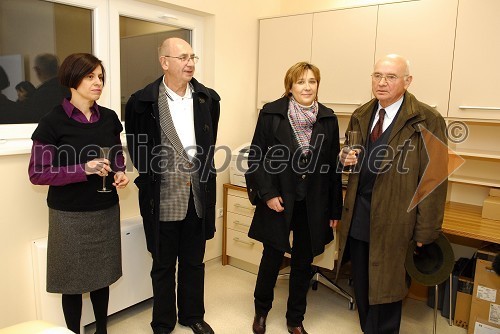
[{"x": 444, "y": 270}]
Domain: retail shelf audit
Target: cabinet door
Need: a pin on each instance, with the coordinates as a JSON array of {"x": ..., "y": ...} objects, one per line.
[
  {"x": 283, "y": 42},
  {"x": 343, "y": 48},
  {"x": 423, "y": 32},
  {"x": 476, "y": 68}
]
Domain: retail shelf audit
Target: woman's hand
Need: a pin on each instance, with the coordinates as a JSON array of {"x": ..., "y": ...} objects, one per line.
[
  {"x": 121, "y": 180},
  {"x": 97, "y": 166},
  {"x": 334, "y": 223},
  {"x": 275, "y": 204}
]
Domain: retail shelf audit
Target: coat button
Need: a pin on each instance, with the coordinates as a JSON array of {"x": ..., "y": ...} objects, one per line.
[
  {"x": 189, "y": 165},
  {"x": 303, "y": 176},
  {"x": 188, "y": 183}
]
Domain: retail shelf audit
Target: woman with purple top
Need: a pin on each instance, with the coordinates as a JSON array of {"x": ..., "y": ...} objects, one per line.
[{"x": 84, "y": 248}]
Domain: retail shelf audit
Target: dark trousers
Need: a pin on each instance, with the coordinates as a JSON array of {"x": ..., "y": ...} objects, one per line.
[
  {"x": 300, "y": 273},
  {"x": 182, "y": 241},
  {"x": 374, "y": 319}
]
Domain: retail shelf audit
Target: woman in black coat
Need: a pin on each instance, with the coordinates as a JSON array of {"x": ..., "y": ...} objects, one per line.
[{"x": 292, "y": 180}]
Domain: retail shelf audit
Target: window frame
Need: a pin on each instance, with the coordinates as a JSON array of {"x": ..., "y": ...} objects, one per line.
[{"x": 15, "y": 138}]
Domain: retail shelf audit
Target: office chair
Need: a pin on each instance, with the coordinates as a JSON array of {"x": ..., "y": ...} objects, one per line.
[{"x": 327, "y": 261}]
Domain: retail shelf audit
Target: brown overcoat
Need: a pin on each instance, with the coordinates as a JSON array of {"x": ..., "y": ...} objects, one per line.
[{"x": 392, "y": 226}]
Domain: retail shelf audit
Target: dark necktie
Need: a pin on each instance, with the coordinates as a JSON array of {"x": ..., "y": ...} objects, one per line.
[{"x": 379, "y": 127}]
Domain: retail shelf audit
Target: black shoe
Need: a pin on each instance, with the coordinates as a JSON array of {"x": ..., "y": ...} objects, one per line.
[
  {"x": 259, "y": 324},
  {"x": 201, "y": 327},
  {"x": 296, "y": 329}
]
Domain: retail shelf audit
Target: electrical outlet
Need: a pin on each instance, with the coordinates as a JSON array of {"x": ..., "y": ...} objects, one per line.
[{"x": 220, "y": 212}]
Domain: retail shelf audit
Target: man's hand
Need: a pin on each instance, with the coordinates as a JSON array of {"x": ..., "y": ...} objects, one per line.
[{"x": 348, "y": 157}]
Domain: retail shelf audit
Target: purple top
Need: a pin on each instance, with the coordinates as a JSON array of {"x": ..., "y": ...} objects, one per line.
[{"x": 41, "y": 155}]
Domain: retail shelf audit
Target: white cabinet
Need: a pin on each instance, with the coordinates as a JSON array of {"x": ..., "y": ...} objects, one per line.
[
  {"x": 283, "y": 42},
  {"x": 423, "y": 32},
  {"x": 475, "y": 88},
  {"x": 342, "y": 48},
  {"x": 475, "y": 98}
]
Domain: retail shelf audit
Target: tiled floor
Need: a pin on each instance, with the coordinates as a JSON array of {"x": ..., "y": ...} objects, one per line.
[{"x": 229, "y": 310}]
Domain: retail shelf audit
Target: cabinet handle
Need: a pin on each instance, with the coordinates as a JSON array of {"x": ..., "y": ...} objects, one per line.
[
  {"x": 243, "y": 241},
  {"x": 239, "y": 206},
  {"x": 237, "y": 222},
  {"x": 477, "y": 107},
  {"x": 344, "y": 103}
]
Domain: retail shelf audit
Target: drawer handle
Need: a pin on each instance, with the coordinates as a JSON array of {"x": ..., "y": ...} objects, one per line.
[
  {"x": 250, "y": 243},
  {"x": 477, "y": 107},
  {"x": 237, "y": 222},
  {"x": 239, "y": 206}
]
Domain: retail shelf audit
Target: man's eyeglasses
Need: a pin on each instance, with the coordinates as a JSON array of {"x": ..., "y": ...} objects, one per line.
[
  {"x": 185, "y": 58},
  {"x": 389, "y": 77}
]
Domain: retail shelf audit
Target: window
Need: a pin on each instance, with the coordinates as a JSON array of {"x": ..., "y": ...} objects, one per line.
[{"x": 102, "y": 27}]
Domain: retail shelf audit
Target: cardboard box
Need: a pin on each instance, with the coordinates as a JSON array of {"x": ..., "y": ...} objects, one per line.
[
  {"x": 491, "y": 208},
  {"x": 485, "y": 305},
  {"x": 463, "y": 301},
  {"x": 495, "y": 192}
]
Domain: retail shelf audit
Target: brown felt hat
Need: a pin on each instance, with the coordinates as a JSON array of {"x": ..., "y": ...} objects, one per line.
[{"x": 430, "y": 264}]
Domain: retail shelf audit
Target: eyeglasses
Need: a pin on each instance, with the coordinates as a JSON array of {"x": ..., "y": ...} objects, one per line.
[
  {"x": 389, "y": 77},
  {"x": 185, "y": 58}
]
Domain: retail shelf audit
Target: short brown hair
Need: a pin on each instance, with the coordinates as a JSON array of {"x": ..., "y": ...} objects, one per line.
[
  {"x": 295, "y": 72},
  {"x": 76, "y": 66}
]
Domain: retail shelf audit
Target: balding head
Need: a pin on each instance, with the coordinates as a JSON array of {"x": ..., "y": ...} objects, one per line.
[
  {"x": 391, "y": 77},
  {"x": 177, "y": 62},
  {"x": 400, "y": 61}
]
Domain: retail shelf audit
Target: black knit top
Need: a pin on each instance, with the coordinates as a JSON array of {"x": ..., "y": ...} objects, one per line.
[{"x": 77, "y": 143}]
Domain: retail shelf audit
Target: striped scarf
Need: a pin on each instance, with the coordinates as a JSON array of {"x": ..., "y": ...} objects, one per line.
[{"x": 302, "y": 120}]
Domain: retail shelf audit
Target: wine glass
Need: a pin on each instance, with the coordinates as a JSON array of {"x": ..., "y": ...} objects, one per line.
[
  {"x": 104, "y": 154},
  {"x": 353, "y": 141}
]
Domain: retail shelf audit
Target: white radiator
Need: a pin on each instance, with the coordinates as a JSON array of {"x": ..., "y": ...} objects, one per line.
[{"x": 133, "y": 287}]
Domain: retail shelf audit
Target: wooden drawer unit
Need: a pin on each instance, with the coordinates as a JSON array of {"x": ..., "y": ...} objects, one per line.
[
  {"x": 240, "y": 246},
  {"x": 237, "y": 202},
  {"x": 238, "y": 214},
  {"x": 238, "y": 222}
]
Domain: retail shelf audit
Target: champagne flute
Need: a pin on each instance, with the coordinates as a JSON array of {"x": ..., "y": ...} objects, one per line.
[
  {"x": 104, "y": 154},
  {"x": 353, "y": 141}
]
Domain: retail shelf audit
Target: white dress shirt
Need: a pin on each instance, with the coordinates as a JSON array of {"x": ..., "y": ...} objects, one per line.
[
  {"x": 390, "y": 113},
  {"x": 181, "y": 110}
]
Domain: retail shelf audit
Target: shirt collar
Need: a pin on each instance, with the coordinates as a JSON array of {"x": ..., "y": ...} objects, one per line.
[
  {"x": 173, "y": 96},
  {"x": 70, "y": 109},
  {"x": 392, "y": 110}
]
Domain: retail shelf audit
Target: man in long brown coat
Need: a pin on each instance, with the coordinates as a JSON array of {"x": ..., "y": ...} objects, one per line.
[{"x": 388, "y": 201}]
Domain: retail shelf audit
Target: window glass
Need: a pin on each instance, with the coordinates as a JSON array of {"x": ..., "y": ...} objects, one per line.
[
  {"x": 35, "y": 36},
  {"x": 139, "y": 42}
]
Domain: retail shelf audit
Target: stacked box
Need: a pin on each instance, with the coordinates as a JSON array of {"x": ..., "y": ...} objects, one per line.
[{"x": 485, "y": 304}]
